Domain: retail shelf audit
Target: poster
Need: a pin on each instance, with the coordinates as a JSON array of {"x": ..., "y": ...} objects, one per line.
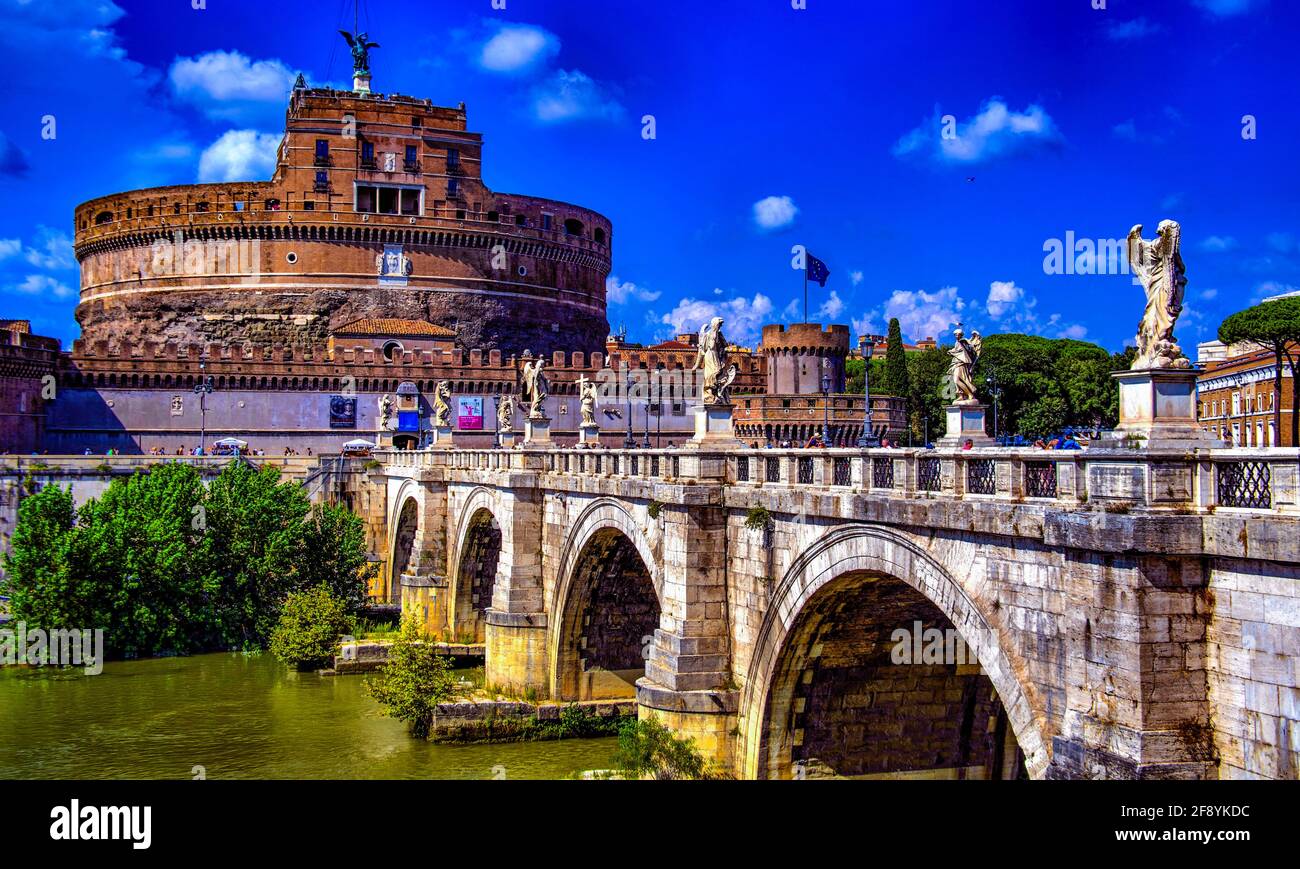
[
  {"x": 469, "y": 413},
  {"x": 343, "y": 411}
]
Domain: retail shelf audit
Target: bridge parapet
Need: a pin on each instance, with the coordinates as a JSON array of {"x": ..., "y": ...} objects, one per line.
[{"x": 1260, "y": 481}]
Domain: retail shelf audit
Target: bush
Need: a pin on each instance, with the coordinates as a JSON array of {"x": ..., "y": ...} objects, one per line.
[
  {"x": 310, "y": 625},
  {"x": 414, "y": 680},
  {"x": 648, "y": 748}
]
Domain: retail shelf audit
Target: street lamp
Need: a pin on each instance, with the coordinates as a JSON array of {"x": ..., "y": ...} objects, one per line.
[
  {"x": 868, "y": 347},
  {"x": 629, "y": 442},
  {"x": 202, "y": 389},
  {"x": 826, "y": 403}
]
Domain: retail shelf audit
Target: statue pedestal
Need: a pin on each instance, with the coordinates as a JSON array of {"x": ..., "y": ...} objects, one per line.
[
  {"x": 714, "y": 428},
  {"x": 965, "y": 423},
  {"x": 588, "y": 436},
  {"x": 1157, "y": 408},
  {"x": 537, "y": 431},
  {"x": 361, "y": 83},
  {"x": 508, "y": 439},
  {"x": 440, "y": 438}
]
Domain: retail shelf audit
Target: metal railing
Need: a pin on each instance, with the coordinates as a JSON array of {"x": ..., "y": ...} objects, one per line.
[{"x": 1119, "y": 479}]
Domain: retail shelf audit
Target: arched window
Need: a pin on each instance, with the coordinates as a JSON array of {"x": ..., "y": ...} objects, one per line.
[
  {"x": 103, "y": 217},
  {"x": 573, "y": 226},
  {"x": 599, "y": 235}
]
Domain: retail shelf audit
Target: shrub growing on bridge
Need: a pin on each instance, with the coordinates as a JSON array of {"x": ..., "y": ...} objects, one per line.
[
  {"x": 414, "y": 679},
  {"x": 648, "y": 748}
]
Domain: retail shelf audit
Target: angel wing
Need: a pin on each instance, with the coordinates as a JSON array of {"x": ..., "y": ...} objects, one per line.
[
  {"x": 348, "y": 36},
  {"x": 369, "y": 45}
]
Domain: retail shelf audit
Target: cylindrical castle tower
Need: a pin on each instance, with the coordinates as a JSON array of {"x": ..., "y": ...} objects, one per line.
[
  {"x": 376, "y": 209},
  {"x": 799, "y": 354}
]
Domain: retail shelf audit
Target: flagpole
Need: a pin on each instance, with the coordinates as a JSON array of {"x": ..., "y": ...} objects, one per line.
[{"x": 805, "y": 291}]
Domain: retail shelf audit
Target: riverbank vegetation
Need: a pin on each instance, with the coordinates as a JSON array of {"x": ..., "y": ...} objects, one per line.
[
  {"x": 166, "y": 565},
  {"x": 310, "y": 625},
  {"x": 414, "y": 679},
  {"x": 648, "y": 749}
]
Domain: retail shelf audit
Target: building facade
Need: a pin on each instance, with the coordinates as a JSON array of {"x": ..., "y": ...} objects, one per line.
[
  {"x": 1238, "y": 398},
  {"x": 27, "y": 386}
]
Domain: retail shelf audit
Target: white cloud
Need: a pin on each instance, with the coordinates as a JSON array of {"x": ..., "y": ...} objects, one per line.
[
  {"x": 1126, "y": 130},
  {"x": 744, "y": 318},
  {"x": 239, "y": 155},
  {"x": 517, "y": 48},
  {"x": 832, "y": 307},
  {"x": 223, "y": 84},
  {"x": 620, "y": 292},
  {"x": 774, "y": 212},
  {"x": 855, "y": 277},
  {"x": 865, "y": 326},
  {"x": 925, "y": 315},
  {"x": 53, "y": 250},
  {"x": 1225, "y": 8},
  {"x": 41, "y": 285},
  {"x": 10, "y": 247},
  {"x": 1003, "y": 296},
  {"x": 1135, "y": 28},
  {"x": 1207, "y": 295},
  {"x": 1218, "y": 244},
  {"x": 1076, "y": 331},
  {"x": 996, "y": 131},
  {"x": 574, "y": 96}
]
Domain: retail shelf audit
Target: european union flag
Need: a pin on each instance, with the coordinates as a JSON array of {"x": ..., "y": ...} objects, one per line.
[{"x": 816, "y": 269}]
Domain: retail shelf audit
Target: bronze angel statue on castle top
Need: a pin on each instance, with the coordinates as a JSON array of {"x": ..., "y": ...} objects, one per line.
[{"x": 360, "y": 51}]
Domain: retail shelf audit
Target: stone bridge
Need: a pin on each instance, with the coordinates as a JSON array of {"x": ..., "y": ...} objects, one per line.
[{"x": 881, "y": 613}]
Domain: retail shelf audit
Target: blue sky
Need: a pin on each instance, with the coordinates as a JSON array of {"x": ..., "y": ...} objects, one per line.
[{"x": 927, "y": 151}]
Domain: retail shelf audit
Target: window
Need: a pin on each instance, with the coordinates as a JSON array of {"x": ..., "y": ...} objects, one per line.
[
  {"x": 373, "y": 199},
  {"x": 322, "y": 181},
  {"x": 546, "y": 221},
  {"x": 453, "y": 158},
  {"x": 368, "y": 154},
  {"x": 1236, "y": 403},
  {"x": 103, "y": 217},
  {"x": 412, "y": 162},
  {"x": 572, "y": 227},
  {"x": 453, "y": 189},
  {"x": 239, "y": 206},
  {"x": 392, "y": 350},
  {"x": 272, "y": 205},
  {"x": 176, "y": 209},
  {"x": 201, "y": 207},
  {"x": 417, "y": 122},
  {"x": 493, "y": 216},
  {"x": 410, "y": 153},
  {"x": 322, "y": 152},
  {"x": 460, "y": 214},
  {"x": 521, "y": 220},
  {"x": 599, "y": 235},
  {"x": 308, "y": 205}
]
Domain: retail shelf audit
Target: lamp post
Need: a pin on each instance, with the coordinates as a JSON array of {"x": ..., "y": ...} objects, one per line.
[
  {"x": 629, "y": 442},
  {"x": 868, "y": 347},
  {"x": 826, "y": 404},
  {"x": 202, "y": 389}
]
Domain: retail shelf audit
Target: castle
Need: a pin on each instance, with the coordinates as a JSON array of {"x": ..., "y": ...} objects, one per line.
[{"x": 375, "y": 263}]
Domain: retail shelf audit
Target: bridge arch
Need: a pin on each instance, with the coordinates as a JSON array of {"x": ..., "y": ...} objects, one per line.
[
  {"x": 836, "y": 586},
  {"x": 404, "y": 537},
  {"x": 475, "y": 563},
  {"x": 605, "y": 607}
]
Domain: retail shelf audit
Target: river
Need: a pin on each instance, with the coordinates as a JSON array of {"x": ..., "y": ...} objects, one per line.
[{"x": 238, "y": 716}]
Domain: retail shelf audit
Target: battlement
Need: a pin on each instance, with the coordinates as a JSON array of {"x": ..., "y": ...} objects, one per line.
[{"x": 810, "y": 338}]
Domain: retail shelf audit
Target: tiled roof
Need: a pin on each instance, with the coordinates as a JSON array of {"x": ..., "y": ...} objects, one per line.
[{"x": 392, "y": 327}]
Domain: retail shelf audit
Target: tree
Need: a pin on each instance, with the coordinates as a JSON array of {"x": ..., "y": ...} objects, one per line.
[
  {"x": 925, "y": 373},
  {"x": 1274, "y": 326},
  {"x": 333, "y": 554},
  {"x": 895, "y": 374},
  {"x": 854, "y": 382},
  {"x": 648, "y": 748},
  {"x": 414, "y": 680},
  {"x": 43, "y": 588},
  {"x": 310, "y": 625}
]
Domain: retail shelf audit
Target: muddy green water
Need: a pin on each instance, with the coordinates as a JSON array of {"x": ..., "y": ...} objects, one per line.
[{"x": 238, "y": 716}]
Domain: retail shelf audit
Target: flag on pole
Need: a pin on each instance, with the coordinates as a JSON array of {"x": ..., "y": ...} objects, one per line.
[{"x": 816, "y": 269}]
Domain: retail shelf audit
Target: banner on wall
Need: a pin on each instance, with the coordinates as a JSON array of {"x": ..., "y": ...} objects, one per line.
[{"x": 469, "y": 413}]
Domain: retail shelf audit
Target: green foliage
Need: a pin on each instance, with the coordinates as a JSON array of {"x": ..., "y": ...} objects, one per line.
[
  {"x": 1047, "y": 384},
  {"x": 926, "y": 370},
  {"x": 165, "y": 565},
  {"x": 895, "y": 377},
  {"x": 854, "y": 381},
  {"x": 648, "y": 748},
  {"x": 654, "y": 509},
  {"x": 414, "y": 680},
  {"x": 758, "y": 519},
  {"x": 310, "y": 625}
]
